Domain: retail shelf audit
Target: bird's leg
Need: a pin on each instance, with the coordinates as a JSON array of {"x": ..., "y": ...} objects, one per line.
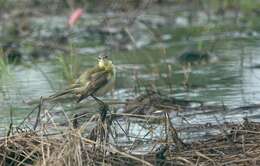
[
  {"x": 103, "y": 116},
  {"x": 100, "y": 102},
  {"x": 103, "y": 109}
]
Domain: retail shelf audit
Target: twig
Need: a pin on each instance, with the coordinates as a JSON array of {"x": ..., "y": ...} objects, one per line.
[
  {"x": 27, "y": 116},
  {"x": 204, "y": 156},
  {"x": 10, "y": 130},
  {"x": 38, "y": 114}
]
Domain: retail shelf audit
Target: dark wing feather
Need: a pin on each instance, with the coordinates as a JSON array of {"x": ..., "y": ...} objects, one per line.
[
  {"x": 87, "y": 84},
  {"x": 83, "y": 78},
  {"x": 97, "y": 80}
]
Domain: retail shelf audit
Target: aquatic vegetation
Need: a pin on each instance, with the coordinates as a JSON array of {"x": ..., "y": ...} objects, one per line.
[
  {"x": 4, "y": 66},
  {"x": 70, "y": 65},
  {"x": 194, "y": 57},
  {"x": 75, "y": 16}
]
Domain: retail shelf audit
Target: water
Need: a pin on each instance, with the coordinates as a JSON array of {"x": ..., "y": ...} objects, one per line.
[{"x": 230, "y": 80}]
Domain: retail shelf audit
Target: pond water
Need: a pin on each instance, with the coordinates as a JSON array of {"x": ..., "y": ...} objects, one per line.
[{"x": 230, "y": 80}]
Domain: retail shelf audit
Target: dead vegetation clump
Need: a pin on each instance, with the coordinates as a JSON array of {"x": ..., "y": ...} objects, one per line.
[
  {"x": 99, "y": 141},
  {"x": 238, "y": 145}
]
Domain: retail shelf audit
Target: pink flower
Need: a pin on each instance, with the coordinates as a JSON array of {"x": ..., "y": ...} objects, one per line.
[{"x": 74, "y": 17}]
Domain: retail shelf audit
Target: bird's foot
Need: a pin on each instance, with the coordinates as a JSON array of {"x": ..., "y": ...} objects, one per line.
[{"x": 103, "y": 108}]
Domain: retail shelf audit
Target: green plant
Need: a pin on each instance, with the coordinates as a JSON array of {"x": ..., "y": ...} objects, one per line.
[
  {"x": 4, "y": 66},
  {"x": 69, "y": 64}
]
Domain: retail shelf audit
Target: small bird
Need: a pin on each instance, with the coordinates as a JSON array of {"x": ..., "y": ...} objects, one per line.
[{"x": 93, "y": 82}]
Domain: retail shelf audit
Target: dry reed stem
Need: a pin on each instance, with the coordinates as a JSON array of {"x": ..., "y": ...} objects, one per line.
[{"x": 238, "y": 144}]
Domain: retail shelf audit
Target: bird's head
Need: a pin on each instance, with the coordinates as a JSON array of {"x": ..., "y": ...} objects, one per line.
[{"x": 104, "y": 62}]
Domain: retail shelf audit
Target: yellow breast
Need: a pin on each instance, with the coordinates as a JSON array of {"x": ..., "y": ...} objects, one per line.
[{"x": 111, "y": 80}]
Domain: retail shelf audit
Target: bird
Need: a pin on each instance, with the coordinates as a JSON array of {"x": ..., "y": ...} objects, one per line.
[{"x": 96, "y": 81}]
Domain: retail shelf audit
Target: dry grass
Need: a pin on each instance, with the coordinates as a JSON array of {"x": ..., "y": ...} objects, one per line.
[
  {"x": 240, "y": 146},
  {"x": 93, "y": 142}
]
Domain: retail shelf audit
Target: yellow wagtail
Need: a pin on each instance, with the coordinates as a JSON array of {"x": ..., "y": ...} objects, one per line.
[{"x": 93, "y": 82}]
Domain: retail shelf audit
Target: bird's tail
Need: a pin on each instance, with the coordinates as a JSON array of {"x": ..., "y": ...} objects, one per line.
[
  {"x": 59, "y": 94},
  {"x": 64, "y": 92}
]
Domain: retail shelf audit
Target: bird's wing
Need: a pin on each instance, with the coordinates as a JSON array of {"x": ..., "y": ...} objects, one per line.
[
  {"x": 95, "y": 82},
  {"x": 80, "y": 84},
  {"x": 86, "y": 76}
]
